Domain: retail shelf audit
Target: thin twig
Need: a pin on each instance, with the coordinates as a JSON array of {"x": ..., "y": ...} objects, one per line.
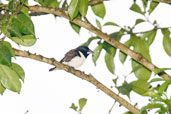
[
  {"x": 26, "y": 112},
  {"x": 152, "y": 30},
  {"x": 112, "y": 107}
]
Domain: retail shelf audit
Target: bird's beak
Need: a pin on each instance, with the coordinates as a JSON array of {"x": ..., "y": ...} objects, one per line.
[{"x": 90, "y": 51}]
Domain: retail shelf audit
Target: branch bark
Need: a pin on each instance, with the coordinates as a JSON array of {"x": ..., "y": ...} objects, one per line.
[
  {"x": 85, "y": 24},
  {"x": 88, "y": 77}
]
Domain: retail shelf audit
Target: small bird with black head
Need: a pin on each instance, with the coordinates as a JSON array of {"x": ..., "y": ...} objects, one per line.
[{"x": 75, "y": 57}]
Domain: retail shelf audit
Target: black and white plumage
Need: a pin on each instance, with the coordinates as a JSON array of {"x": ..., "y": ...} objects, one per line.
[{"x": 75, "y": 57}]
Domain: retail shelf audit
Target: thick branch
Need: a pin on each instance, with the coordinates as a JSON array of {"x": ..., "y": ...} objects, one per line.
[
  {"x": 85, "y": 24},
  {"x": 79, "y": 74}
]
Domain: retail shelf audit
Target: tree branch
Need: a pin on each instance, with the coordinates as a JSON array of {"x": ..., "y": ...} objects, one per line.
[
  {"x": 92, "y": 2},
  {"x": 88, "y": 77},
  {"x": 85, "y": 24}
]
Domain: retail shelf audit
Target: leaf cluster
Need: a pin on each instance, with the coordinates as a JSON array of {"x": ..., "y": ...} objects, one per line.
[
  {"x": 16, "y": 25},
  {"x": 11, "y": 74},
  {"x": 141, "y": 43},
  {"x": 82, "y": 102},
  {"x": 79, "y": 9}
]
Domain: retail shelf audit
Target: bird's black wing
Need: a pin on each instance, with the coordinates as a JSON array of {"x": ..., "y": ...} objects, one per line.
[{"x": 69, "y": 55}]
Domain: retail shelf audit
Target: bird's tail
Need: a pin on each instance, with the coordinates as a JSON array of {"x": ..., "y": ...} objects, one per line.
[{"x": 52, "y": 69}]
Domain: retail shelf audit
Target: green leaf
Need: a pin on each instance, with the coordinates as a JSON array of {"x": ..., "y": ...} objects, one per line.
[
  {"x": 8, "y": 45},
  {"x": 151, "y": 93},
  {"x": 141, "y": 72},
  {"x": 122, "y": 55},
  {"x": 2, "y": 89},
  {"x": 150, "y": 36},
  {"x": 164, "y": 86},
  {"x": 115, "y": 80},
  {"x": 136, "y": 8},
  {"x": 75, "y": 27},
  {"x": 138, "y": 21},
  {"x": 145, "y": 2},
  {"x": 110, "y": 52},
  {"x": 96, "y": 53},
  {"x": 19, "y": 70},
  {"x": 153, "y": 105},
  {"x": 111, "y": 23},
  {"x": 160, "y": 70},
  {"x": 21, "y": 25},
  {"x": 116, "y": 35},
  {"x": 82, "y": 103},
  {"x": 87, "y": 43},
  {"x": 5, "y": 23},
  {"x": 156, "y": 80},
  {"x": 49, "y": 3},
  {"x": 110, "y": 62},
  {"x": 98, "y": 24},
  {"x": 83, "y": 7},
  {"x": 128, "y": 112},
  {"x": 160, "y": 112},
  {"x": 74, "y": 107},
  {"x": 140, "y": 86},
  {"x": 27, "y": 40},
  {"x": 125, "y": 89},
  {"x": 11, "y": 5},
  {"x": 9, "y": 79},
  {"x": 109, "y": 56},
  {"x": 141, "y": 46},
  {"x": 24, "y": 8},
  {"x": 73, "y": 8},
  {"x": 136, "y": 68},
  {"x": 5, "y": 55},
  {"x": 99, "y": 10},
  {"x": 153, "y": 5},
  {"x": 165, "y": 32},
  {"x": 167, "y": 41}
]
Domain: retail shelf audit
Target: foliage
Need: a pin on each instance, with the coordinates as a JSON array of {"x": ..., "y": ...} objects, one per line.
[
  {"x": 16, "y": 25},
  {"x": 82, "y": 102}
]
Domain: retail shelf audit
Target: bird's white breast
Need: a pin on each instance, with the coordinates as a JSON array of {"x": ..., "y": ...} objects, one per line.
[{"x": 77, "y": 61}]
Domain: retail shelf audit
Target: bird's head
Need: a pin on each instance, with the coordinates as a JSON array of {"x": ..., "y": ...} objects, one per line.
[{"x": 85, "y": 50}]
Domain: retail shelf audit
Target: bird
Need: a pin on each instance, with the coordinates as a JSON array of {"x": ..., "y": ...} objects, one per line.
[{"x": 75, "y": 57}]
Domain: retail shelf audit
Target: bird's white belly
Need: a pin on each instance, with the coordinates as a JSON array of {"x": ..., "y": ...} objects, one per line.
[{"x": 76, "y": 61}]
